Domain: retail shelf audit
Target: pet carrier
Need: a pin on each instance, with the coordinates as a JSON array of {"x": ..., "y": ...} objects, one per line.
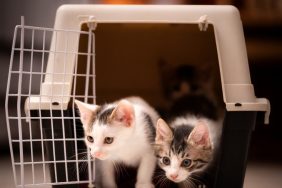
[{"x": 125, "y": 44}]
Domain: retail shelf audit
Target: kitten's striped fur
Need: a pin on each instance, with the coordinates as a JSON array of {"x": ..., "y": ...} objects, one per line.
[{"x": 186, "y": 139}]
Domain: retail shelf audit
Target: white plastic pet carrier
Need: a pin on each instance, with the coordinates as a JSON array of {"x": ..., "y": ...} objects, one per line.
[{"x": 51, "y": 67}]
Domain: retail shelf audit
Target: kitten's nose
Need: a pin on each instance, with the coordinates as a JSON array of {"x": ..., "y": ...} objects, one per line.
[
  {"x": 174, "y": 176},
  {"x": 98, "y": 154}
]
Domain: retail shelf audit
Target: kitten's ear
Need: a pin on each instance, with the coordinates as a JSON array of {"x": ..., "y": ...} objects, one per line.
[
  {"x": 163, "y": 132},
  {"x": 87, "y": 112},
  {"x": 200, "y": 136},
  {"x": 123, "y": 113}
]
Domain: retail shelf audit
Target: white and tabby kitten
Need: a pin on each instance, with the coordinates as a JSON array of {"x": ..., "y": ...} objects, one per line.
[
  {"x": 121, "y": 132},
  {"x": 185, "y": 148}
]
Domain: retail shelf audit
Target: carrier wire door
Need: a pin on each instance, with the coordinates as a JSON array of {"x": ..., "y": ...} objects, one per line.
[{"x": 45, "y": 133}]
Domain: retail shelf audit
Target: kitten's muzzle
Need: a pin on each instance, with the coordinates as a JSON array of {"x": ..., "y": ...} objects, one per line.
[
  {"x": 173, "y": 176},
  {"x": 99, "y": 155}
]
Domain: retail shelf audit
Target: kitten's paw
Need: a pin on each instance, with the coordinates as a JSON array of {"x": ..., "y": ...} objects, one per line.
[
  {"x": 107, "y": 185},
  {"x": 144, "y": 185},
  {"x": 110, "y": 186}
]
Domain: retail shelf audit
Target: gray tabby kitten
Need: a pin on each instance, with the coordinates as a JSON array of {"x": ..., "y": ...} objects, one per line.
[
  {"x": 120, "y": 132},
  {"x": 185, "y": 148}
]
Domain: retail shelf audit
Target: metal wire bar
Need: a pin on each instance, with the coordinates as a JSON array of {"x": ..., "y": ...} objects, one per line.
[
  {"x": 50, "y": 51},
  {"x": 74, "y": 118},
  {"x": 29, "y": 92},
  {"x": 46, "y": 139},
  {"x": 86, "y": 98},
  {"x": 49, "y": 162},
  {"x": 51, "y": 114},
  {"x": 63, "y": 121},
  {"x": 7, "y": 106},
  {"x": 19, "y": 105},
  {"x": 40, "y": 109},
  {"x": 55, "y": 73},
  {"x": 58, "y": 183},
  {"x": 29, "y": 73}
]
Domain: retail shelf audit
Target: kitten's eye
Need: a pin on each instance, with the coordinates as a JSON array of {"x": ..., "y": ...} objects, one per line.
[
  {"x": 166, "y": 161},
  {"x": 90, "y": 139},
  {"x": 186, "y": 163},
  {"x": 108, "y": 140}
]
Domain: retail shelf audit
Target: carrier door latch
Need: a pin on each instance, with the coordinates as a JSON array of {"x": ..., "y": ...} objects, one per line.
[
  {"x": 260, "y": 104},
  {"x": 203, "y": 23}
]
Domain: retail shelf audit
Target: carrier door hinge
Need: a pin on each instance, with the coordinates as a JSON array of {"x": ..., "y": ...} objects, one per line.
[
  {"x": 203, "y": 23},
  {"x": 90, "y": 20}
]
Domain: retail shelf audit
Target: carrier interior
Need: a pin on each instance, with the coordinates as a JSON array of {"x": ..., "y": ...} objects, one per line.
[{"x": 138, "y": 58}]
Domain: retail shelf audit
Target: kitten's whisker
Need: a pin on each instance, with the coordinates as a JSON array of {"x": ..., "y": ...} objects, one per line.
[
  {"x": 197, "y": 178},
  {"x": 186, "y": 183},
  {"x": 124, "y": 169},
  {"x": 189, "y": 183},
  {"x": 158, "y": 176},
  {"x": 193, "y": 184},
  {"x": 83, "y": 165},
  {"x": 196, "y": 175},
  {"x": 168, "y": 182},
  {"x": 73, "y": 156},
  {"x": 163, "y": 182},
  {"x": 159, "y": 172},
  {"x": 117, "y": 168},
  {"x": 160, "y": 180},
  {"x": 199, "y": 181}
]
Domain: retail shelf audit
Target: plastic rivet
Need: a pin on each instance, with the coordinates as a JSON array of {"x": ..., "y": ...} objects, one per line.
[{"x": 55, "y": 103}]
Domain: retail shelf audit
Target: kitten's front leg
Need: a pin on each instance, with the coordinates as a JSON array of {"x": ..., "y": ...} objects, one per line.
[
  {"x": 145, "y": 171},
  {"x": 181, "y": 185},
  {"x": 108, "y": 174}
]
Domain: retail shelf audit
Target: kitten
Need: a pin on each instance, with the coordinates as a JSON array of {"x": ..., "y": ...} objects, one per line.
[
  {"x": 178, "y": 81},
  {"x": 181, "y": 80},
  {"x": 185, "y": 147},
  {"x": 121, "y": 132}
]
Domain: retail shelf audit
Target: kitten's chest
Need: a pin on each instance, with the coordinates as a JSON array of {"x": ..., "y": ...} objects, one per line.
[{"x": 132, "y": 153}]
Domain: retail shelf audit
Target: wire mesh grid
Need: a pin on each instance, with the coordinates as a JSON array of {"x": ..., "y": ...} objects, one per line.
[{"x": 48, "y": 69}]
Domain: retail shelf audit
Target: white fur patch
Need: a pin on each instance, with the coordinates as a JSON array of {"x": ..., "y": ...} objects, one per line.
[{"x": 130, "y": 143}]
